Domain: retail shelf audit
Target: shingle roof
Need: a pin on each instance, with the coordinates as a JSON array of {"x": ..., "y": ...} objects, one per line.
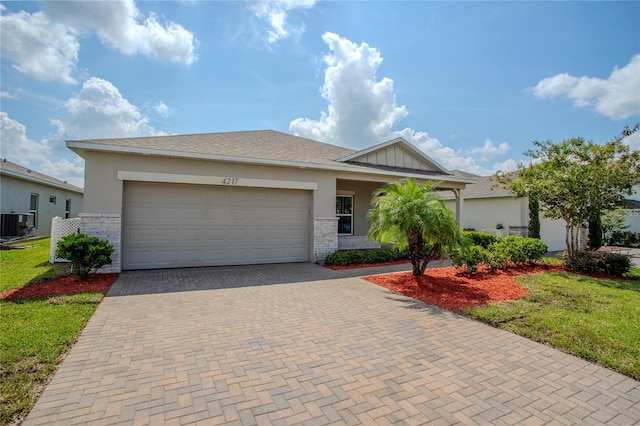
[
  {"x": 17, "y": 170},
  {"x": 484, "y": 187},
  {"x": 259, "y": 146}
]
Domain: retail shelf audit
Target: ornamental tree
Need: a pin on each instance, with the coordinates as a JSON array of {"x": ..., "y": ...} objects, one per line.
[
  {"x": 576, "y": 179},
  {"x": 411, "y": 215}
]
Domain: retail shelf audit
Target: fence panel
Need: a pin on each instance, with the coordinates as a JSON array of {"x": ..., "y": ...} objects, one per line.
[{"x": 61, "y": 228}]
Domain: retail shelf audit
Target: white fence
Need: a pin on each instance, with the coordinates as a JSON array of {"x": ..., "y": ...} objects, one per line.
[{"x": 60, "y": 228}]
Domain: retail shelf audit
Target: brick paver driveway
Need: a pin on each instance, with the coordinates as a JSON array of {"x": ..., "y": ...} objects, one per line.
[{"x": 296, "y": 343}]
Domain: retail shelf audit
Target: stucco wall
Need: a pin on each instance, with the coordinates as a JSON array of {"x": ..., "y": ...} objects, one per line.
[
  {"x": 479, "y": 213},
  {"x": 362, "y": 202},
  {"x": 15, "y": 197}
]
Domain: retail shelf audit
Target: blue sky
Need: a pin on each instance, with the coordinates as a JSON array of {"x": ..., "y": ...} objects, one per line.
[{"x": 470, "y": 83}]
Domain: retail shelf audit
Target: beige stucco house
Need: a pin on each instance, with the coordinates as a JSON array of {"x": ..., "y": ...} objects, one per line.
[
  {"x": 29, "y": 200},
  {"x": 239, "y": 197},
  {"x": 487, "y": 205}
]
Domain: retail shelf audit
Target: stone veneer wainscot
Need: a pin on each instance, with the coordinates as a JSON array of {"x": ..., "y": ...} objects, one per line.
[{"x": 106, "y": 226}]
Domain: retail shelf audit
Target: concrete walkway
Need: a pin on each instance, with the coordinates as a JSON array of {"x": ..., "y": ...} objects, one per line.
[{"x": 299, "y": 344}]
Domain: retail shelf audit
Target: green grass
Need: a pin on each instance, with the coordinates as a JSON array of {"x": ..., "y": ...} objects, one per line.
[
  {"x": 28, "y": 263},
  {"x": 34, "y": 333},
  {"x": 596, "y": 319}
]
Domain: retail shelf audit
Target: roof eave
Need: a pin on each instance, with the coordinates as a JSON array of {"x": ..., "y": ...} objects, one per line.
[
  {"x": 41, "y": 181},
  {"x": 80, "y": 147}
]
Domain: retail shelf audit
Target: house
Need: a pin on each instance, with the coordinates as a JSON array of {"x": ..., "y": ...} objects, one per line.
[
  {"x": 487, "y": 206},
  {"x": 29, "y": 200},
  {"x": 238, "y": 197}
]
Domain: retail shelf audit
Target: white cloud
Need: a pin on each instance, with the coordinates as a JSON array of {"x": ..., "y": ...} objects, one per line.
[
  {"x": 17, "y": 147},
  {"x": 362, "y": 110},
  {"x": 633, "y": 141},
  {"x": 162, "y": 109},
  {"x": 44, "y": 45},
  {"x": 275, "y": 12},
  {"x": 617, "y": 97},
  {"x": 38, "y": 47},
  {"x": 7, "y": 95},
  {"x": 489, "y": 149},
  {"x": 100, "y": 111},
  {"x": 121, "y": 25},
  {"x": 65, "y": 170}
]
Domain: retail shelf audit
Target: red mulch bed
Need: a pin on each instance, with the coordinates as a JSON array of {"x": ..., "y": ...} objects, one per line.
[
  {"x": 454, "y": 290},
  {"x": 99, "y": 283}
]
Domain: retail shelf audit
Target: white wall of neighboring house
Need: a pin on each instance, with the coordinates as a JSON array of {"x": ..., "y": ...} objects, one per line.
[
  {"x": 15, "y": 197},
  {"x": 632, "y": 218},
  {"x": 486, "y": 212}
]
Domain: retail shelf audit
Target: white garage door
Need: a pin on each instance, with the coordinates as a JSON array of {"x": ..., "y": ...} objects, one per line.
[{"x": 171, "y": 225}]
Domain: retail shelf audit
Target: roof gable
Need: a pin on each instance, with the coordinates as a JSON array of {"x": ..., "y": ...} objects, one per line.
[{"x": 396, "y": 153}]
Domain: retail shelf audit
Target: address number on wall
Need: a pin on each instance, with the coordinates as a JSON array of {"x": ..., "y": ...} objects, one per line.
[{"x": 230, "y": 181}]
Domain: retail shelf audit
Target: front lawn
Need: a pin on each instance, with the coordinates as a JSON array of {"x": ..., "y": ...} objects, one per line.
[
  {"x": 596, "y": 319},
  {"x": 34, "y": 333}
]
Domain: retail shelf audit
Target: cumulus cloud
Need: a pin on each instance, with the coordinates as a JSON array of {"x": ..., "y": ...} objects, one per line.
[
  {"x": 17, "y": 147},
  {"x": 362, "y": 110},
  {"x": 39, "y": 47},
  {"x": 275, "y": 13},
  {"x": 100, "y": 111},
  {"x": 121, "y": 25},
  {"x": 162, "y": 109},
  {"x": 65, "y": 170},
  {"x": 44, "y": 45},
  {"x": 617, "y": 97}
]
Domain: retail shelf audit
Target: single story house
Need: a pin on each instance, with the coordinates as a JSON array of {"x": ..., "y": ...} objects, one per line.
[
  {"x": 488, "y": 206},
  {"x": 239, "y": 197},
  {"x": 29, "y": 200}
]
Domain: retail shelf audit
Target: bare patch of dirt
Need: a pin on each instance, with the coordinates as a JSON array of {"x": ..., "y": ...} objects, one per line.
[
  {"x": 455, "y": 290},
  {"x": 99, "y": 283}
]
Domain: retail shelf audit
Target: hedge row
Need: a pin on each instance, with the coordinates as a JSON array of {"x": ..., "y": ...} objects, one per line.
[
  {"x": 499, "y": 254},
  {"x": 356, "y": 256},
  {"x": 590, "y": 262}
]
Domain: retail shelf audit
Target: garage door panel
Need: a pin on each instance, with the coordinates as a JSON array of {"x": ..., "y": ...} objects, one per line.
[{"x": 167, "y": 225}]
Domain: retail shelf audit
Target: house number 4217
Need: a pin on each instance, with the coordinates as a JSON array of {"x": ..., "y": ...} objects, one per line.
[{"x": 230, "y": 181}]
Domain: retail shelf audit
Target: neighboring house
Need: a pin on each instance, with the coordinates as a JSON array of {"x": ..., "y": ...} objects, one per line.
[
  {"x": 486, "y": 206},
  {"x": 29, "y": 200},
  {"x": 238, "y": 197},
  {"x": 632, "y": 211}
]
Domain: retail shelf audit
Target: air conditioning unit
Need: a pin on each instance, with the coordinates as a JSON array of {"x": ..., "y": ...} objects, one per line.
[{"x": 25, "y": 220}]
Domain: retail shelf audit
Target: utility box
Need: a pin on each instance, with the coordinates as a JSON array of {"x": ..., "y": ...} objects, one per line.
[{"x": 16, "y": 224}]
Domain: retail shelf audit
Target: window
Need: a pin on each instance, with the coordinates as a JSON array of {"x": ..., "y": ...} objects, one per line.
[
  {"x": 344, "y": 211},
  {"x": 67, "y": 209},
  {"x": 33, "y": 209},
  {"x": 52, "y": 199}
]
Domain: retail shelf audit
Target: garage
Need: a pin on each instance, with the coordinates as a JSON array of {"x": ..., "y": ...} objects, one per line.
[{"x": 176, "y": 225}]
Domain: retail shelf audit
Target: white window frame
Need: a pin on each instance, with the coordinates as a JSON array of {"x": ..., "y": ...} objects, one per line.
[
  {"x": 339, "y": 215},
  {"x": 32, "y": 211},
  {"x": 67, "y": 208},
  {"x": 53, "y": 199}
]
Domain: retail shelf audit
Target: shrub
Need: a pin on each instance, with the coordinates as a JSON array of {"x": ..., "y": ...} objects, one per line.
[
  {"x": 624, "y": 239},
  {"x": 480, "y": 238},
  {"x": 590, "y": 262},
  {"x": 470, "y": 257},
  {"x": 355, "y": 256},
  {"x": 85, "y": 254},
  {"x": 517, "y": 250}
]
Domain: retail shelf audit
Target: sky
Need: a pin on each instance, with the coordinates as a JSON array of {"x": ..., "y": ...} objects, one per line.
[{"x": 472, "y": 84}]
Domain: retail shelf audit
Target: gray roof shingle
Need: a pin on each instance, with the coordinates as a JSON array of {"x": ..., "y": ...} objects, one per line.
[{"x": 16, "y": 169}]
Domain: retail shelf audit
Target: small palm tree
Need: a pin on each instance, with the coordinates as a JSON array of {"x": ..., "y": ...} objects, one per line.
[{"x": 414, "y": 216}]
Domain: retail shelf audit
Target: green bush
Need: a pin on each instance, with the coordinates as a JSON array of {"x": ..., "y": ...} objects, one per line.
[
  {"x": 355, "y": 256},
  {"x": 480, "y": 238},
  {"x": 590, "y": 262},
  {"x": 470, "y": 257},
  {"x": 85, "y": 254},
  {"x": 501, "y": 253},
  {"x": 624, "y": 239}
]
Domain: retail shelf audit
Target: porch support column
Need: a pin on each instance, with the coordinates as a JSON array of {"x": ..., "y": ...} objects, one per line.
[{"x": 459, "y": 205}]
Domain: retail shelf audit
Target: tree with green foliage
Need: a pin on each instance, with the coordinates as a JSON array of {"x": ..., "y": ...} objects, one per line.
[
  {"x": 534, "y": 219},
  {"x": 575, "y": 179},
  {"x": 595, "y": 231},
  {"x": 411, "y": 215},
  {"x": 613, "y": 220}
]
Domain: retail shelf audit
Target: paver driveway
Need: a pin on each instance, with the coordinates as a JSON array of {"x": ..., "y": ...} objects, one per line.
[{"x": 297, "y": 343}]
